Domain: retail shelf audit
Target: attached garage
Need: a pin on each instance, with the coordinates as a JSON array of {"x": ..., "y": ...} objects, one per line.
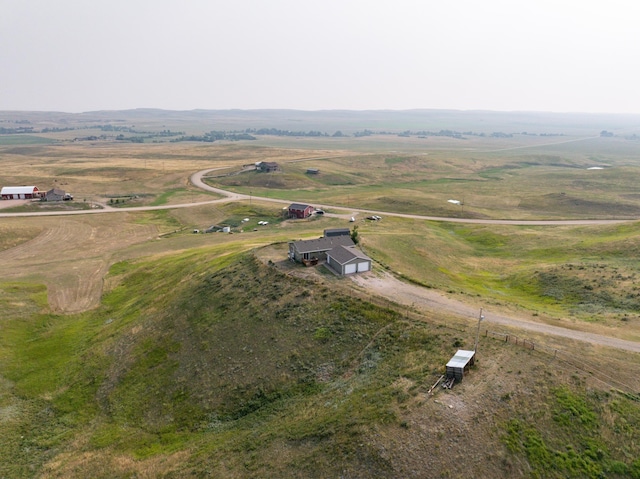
[
  {"x": 350, "y": 268},
  {"x": 348, "y": 260},
  {"x": 364, "y": 266}
]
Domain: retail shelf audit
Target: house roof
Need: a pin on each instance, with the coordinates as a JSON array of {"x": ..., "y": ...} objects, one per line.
[
  {"x": 321, "y": 244},
  {"x": 15, "y": 190},
  {"x": 56, "y": 191},
  {"x": 337, "y": 231},
  {"x": 460, "y": 359},
  {"x": 343, "y": 255},
  {"x": 298, "y": 206}
]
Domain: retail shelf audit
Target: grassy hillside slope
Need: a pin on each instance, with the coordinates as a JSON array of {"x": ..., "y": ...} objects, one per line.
[{"x": 209, "y": 363}]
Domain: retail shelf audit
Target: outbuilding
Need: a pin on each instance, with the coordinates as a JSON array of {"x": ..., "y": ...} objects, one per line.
[
  {"x": 19, "y": 192},
  {"x": 337, "y": 232},
  {"x": 459, "y": 365},
  {"x": 348, "y": 260},
  {"x": 299, "y": 210},
  {"x": 267, "y": 166},
  {"x": 55, "y": 194}
]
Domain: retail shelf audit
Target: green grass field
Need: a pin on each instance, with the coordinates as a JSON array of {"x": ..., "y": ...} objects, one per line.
[{"x": 207, "y": 362}]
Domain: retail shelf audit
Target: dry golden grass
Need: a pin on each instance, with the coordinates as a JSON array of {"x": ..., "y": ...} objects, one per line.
[{"x": 71, "y": 255}]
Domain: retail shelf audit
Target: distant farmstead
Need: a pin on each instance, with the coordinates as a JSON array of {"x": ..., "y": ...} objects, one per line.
[
  {"x": 300, "y": 211},
  {"x": 19, "y": 192},
  {"x": 267, "y": 166},
  {"x": 56, "y": 194}
]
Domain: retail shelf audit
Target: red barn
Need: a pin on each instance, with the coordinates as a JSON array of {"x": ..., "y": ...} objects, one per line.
[
  {"x": 19, "y": 192},
  {"x": 300, "y": 211}
]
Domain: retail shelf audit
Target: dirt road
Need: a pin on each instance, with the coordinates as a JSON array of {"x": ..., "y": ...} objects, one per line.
[{"x": 385, "y": 285}]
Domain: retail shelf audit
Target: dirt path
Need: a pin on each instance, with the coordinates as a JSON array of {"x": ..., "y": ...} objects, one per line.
[
  {"x": 79, "y": 287},
  {"x": 387, "y": 286}
]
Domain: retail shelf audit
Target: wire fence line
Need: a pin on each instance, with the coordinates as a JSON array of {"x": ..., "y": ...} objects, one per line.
[{"x": 571, "y": 360}]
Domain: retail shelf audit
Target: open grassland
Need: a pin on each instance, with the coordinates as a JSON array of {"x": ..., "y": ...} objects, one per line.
[
  {"x": 132, "y": 347},
  {"x": 72, "y": 254},
  {"x": 548, "y": 181},
  {"x": 512, "y": 166},
  {"x": 211, "y": 363},
  {"x": 562, "y": 274},
  {"x": 569, "y": 274},
  {"x": 131, "y": 174}
]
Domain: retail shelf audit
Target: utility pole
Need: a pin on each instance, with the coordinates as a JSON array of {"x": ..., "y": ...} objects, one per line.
[{"x": 480, "y": 318}]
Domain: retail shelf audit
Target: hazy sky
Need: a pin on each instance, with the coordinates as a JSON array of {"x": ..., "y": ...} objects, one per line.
[{"x": 540, "y": 55}]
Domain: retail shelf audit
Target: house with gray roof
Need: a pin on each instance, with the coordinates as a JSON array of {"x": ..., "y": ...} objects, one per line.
[
  {"x": 307, "y": 250},
  {"x": 55, "y": 194}
]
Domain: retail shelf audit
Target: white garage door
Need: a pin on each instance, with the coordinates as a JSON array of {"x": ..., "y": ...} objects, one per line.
[
  {"x": 350, "y": 268},
  {"x": 363, "y": 267}
]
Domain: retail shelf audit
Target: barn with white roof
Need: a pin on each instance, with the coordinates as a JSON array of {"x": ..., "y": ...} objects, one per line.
[{"x": 19, "y": 192}]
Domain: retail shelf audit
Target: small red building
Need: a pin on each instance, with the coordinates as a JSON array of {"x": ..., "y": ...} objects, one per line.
[{"x": 300, "y": 211}]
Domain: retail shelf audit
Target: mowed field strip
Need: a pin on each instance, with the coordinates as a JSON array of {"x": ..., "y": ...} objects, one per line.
[{"x": 71, "y": 257}]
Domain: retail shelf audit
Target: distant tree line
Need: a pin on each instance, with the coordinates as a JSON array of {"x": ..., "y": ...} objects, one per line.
[
  {"x": 56, "y": 129},
  {"x": 15, "y": 131},
  {"x": 216, "y": 136},
  {"x": 278, "y": 132}
]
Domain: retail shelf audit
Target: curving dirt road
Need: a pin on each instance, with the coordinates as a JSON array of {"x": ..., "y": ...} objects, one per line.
[
  {"x": 386, "y": 285},
  {"x": 196, "y": 180}
]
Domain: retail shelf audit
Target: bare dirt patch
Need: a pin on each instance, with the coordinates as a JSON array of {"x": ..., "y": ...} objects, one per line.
[{"x": 4, "y": 204}]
